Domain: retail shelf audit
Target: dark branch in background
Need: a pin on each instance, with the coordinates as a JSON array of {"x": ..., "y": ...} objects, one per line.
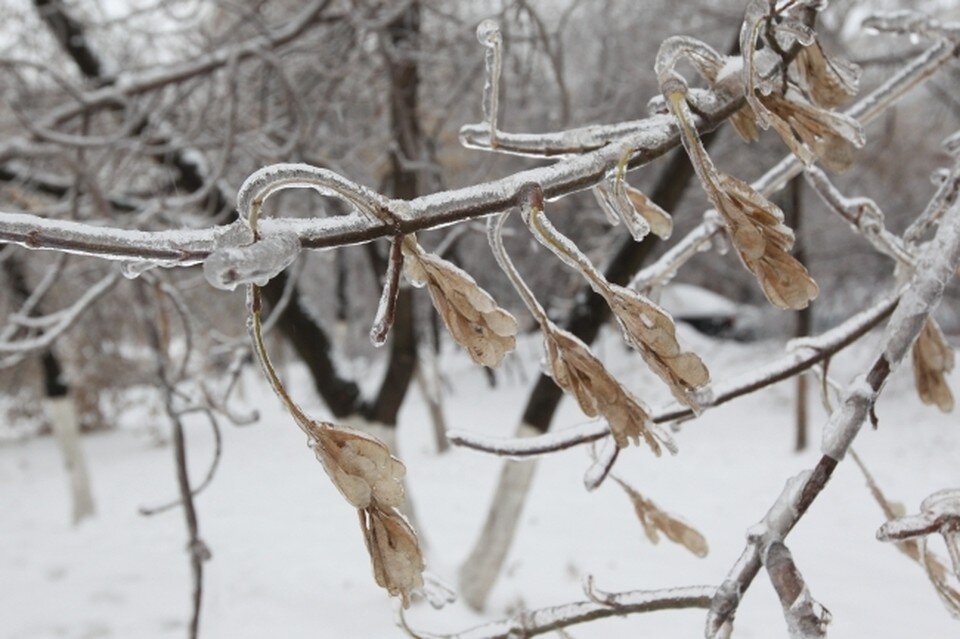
[
  {"x": 198, "y": 550},
  {"x": 70, "y": 34},
  {"x": 307, "y": 338},
  {"x": 804, "y": 317}
]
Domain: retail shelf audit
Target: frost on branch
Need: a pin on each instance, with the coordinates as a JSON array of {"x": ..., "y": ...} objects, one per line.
[
  {"x": 488, "y": 33},
  {"x": 939, "y": 513},
  {"x": 806, "y": 619}
]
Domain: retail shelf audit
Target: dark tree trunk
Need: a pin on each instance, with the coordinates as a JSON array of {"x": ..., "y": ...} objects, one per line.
[{"x": 407, "y": 147}]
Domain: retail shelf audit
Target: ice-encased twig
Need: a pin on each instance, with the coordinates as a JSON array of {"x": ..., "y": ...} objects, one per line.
[
  {"x": 936, "y": 265},
  {"x": 532, "y": 623}
]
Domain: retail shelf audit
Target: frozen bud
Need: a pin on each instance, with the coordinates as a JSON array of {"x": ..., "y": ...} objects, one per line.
[
  {"x": 360, "y": 465},
  {"x": 656, "y": 521},
  {"x": 257, "y": 263},
  {"x": 486, "y": 331},
  {"x": 578, "y": 372},
  {"x": 652, "y": 332},
  {"x": 932, "y": 360},
  {"x": 831, "y": 82},
  {"x": 394, "y": 551}
]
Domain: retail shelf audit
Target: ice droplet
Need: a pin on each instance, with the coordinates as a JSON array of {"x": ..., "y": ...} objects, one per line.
[{"x": 256, "y": 263}]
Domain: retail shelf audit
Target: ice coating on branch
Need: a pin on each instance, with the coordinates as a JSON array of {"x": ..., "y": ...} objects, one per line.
[
  {"x": 845, "y": 422},
  {"x": 257, "y": 263},
  {"x": 613, "y": 199},
  {"x": 488, "y": 33},
  {"x": 779, "y": 519}
]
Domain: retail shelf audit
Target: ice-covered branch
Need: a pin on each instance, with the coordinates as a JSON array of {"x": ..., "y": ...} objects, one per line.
[
  {"x": 532, "y": 623},
  {"x": 652, "y": 138},
  {"x": 803, "y": 356},
  {"x": 935, "y": 267},
  {"x": 806, "y": 619}
]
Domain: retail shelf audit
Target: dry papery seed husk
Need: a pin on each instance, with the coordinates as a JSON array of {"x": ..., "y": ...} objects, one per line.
[
  {"x": 755, "y": 224},
  {"x": 813, "y": 133},
  {"x": 830, "y": 81},
  {"x": 661, "y": 224},
  {"x": 577, "y": 371},
  {"x": 652, "y": 332},
  {"x": 360, "y": 465},
  {"x": 394, "y": 552},
  {"x": 932, "y": 359},
  {"x": 763, "y": 243},
  {"x": 486, "y": 331},
  {"x": 655, "y": 521},
  {"x": 647, "y": 327}
]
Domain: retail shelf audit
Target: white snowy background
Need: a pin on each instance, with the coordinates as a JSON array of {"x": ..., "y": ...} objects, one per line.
[{"x": 288, "y": 557}]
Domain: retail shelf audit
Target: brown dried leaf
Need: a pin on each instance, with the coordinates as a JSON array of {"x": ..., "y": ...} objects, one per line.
[
  {"x": 486, "y": 331},
  {"x": 831, "y": 82},
  {"x": 578, "y": 372},
  {"x": 661, "y": 224},
  {"x": 932, "y": 360},
  {"x": 652, "y": 332},
  {"x": 394, "y": 551},
  {"x": 359, "y": 465},
  {"x": 655, "y": 521}
]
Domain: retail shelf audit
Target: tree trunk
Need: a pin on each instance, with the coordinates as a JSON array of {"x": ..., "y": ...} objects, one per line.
[{"x": 804, "y": 318}]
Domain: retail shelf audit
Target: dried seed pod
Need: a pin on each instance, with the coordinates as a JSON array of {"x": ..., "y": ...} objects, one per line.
[
  {"x": 577, "y": 371},
  {"x": 813, "y": 133},
  {"x": 656, "y": 521},
  {"x": 754, "y": 223},
  {"x": 652, "y": 332},
  {"x": 359, "y": 465},
  {"x": 394, "y": 551},
  {"x": 648, "y": 328},
  {"x": 486, "y": 331},
  {"x": 659, "y": 221},
  {"x": 830, "y": 81},
  {"x": 932, "y": 359}
]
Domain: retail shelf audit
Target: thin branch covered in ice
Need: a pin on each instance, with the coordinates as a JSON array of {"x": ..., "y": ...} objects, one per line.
[
  {"x": 937, "y": 264},
  {"x": 804, "y": 355},
  {"x": 16, "y": 350},
  {"x": 602, "y": 605}
]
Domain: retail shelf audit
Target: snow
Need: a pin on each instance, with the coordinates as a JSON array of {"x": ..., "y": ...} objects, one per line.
[{"x": 288, "y": 559}]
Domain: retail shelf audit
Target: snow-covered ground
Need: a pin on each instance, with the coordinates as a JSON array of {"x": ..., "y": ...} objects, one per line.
[{"x": 289, "y": 561}]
